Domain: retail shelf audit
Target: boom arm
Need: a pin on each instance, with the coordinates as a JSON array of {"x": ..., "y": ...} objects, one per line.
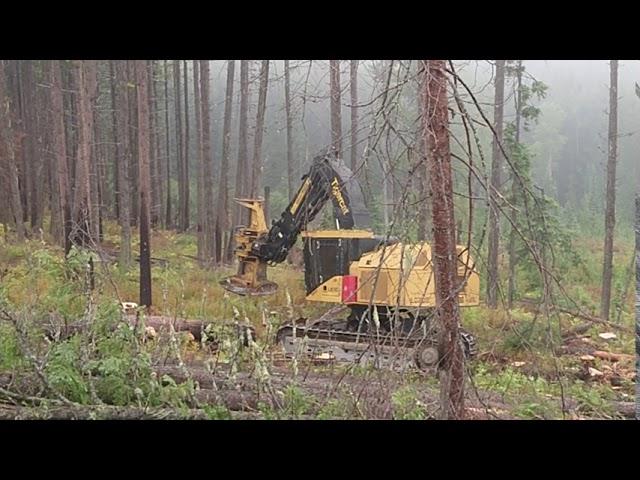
[{"x": 321, "y": 183}]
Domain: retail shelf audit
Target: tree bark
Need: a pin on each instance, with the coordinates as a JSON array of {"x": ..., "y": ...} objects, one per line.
[
  {"x": 60, "y": 152},
  {"x": 177, "y": 102},
  {"x": 144, "y": 175},
  {"x": 354, "y": 114},
  {"x": 207, "y": 156},
  {"x": 222, "y": 219},
  {"x": 123, "y": 153},
  {"x": 83, "y": 222},
  {"x": 8, "y": 151},
  {"x": 287, "y": 109},
  {"x": 444, "y": 247},
  {"x": 610, "y": 209},
  {"x": 242, "y": 164},
  {"x": 256, "y": 176},
  {"x": 184, "y": 206},
  {"x": 336, "y": 118},
  {"x": 200, "y": 161},
  {"x": 168, "y": 220},
  {"x": 496, "y": 169}
]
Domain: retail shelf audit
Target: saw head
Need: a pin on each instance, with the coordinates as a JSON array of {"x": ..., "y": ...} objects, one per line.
[{"x": 251, "y": 279}]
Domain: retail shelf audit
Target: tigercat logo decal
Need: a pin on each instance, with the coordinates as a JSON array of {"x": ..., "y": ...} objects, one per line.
[{"x": 335, "y": 189}]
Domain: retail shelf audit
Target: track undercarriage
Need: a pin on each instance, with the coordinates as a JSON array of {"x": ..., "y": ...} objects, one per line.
[{"x": 384, "y": 340}]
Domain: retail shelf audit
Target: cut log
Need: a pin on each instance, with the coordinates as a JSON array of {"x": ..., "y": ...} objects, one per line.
[{"x": 612, "y": 357}]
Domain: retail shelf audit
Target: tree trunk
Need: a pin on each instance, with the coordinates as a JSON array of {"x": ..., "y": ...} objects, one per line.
[
  {"x": 336, "y": 118},
  {"x": 60, "y": 152},
  {"x": 515, "y": 188},
  {"x": 200, "y": 160},
  {"x": 83, "y": 223},
  {"x": 8, "y": 153},
  {"x": 222, "y": 219},
  {"x": 184, "y": 206},
  {"x": 168, "y": 221},
  {"x": 133, "y": 172},
  {"x": 610, "y": 209},
  {"x": 354, "y": 114},
  {"x": 209, "y": 246},
  {"x": 287, "y": 108},
  {"x": 123, "y": 153},
  {"x": 145, "y": 181},
  {"x": 256, "y": 176},
  {"x": 242, "y": 164},
  {"x": 32, "y": 155},
  {"x": 496, "y": 168},
  {"x": 153, "y": 153},
  {"x": 177, "y": 103},
  {"x": 444, "y": 247}
]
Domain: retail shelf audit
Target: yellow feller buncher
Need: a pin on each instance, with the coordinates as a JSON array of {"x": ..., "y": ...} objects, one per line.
[{"x": 383, "y": 290}]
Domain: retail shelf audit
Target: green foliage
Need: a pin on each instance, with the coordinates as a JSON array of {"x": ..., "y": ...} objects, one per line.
[
  {"x": 407, "y": 405},
  {"x": 217, "y": 412}
]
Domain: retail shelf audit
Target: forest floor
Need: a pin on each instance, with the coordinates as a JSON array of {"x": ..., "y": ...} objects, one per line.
[{"x": 528, "y": 367}]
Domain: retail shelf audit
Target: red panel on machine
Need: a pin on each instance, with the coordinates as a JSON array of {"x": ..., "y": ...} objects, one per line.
[{"x": 349, "y": 288}]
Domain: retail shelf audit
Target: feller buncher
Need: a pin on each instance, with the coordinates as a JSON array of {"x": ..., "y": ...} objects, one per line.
[{"x": 383, "y": 290}]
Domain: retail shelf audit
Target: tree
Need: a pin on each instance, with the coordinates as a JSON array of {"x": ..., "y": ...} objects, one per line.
[
  {"x": 60, "y": 152},
  {"x": 184, "y": 203},
  {"x": 336, "y": 118},
  {"x": 610, "y": 209},
  {"x": 208, "y": 246},
  {"x": 354, "y": 113},
  {"x": 179, "y": 143},
  {"x": 200, "y": 161},
  {"x": 444, "y": 255},
  {"x": 287, "y": 109},
  {"x": 8, "y": 140},
  {"x": 83, "y": 222},
  {"x": 168, "y": 216},
  {"x": 256, "y": 175},
  {"x": 495, "y": 185},
  {"x": 123, "y": 153},
  {"x": 222, "y": 219},
  {"x": 242, "y": 166},
  {"x": 144, "y": 175}
]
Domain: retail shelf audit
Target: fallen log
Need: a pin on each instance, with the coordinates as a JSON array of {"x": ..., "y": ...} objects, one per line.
[{"x": 612, "y": 357}]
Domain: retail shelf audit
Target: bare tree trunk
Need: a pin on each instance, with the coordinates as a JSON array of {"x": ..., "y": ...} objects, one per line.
[
  {"x": 83, "y": 222},
  {"x": 92, "y": 80},
  {"x": 185, "y": 158},
  {"x": 222, "y": 219},
  {"x": 153, "y": 162},
  {"x": 354, "y": 114},
  {"x": 515, "y": 188},
  {"x": 242, "y": 170},
  {"x": 200, "y": 160},
  {"x": 179, "y": 142},
  {"x": 123, "y": 153},
  {"x": 256, "y": 176},
  {"x": 444, "y": 247},
  {"x": 33, "y": 158},
  {"x": 134, "y": 180},
  {"x": 145, "y": 181},
  {"x": 209, "y": 246},
  {"x": 336, "y": 118},
  {"x": 610, "y": 209},
  {"x": 287, "y": 108},
  {"x": 168, "y": 221},
  {"x": 60, "y": 152},
  {"x": 496, "y": 168},
  {"x": 8, "y": 152}
]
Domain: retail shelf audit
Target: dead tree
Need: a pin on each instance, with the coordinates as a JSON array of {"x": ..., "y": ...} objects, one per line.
[
  {"x": 444, "y": 257},
  {"x": 145, "y": 181},
  {"x": 496, "y": 167},
  {"x": 200, "y": 159},
  {"x": 610, "y": 209}
]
